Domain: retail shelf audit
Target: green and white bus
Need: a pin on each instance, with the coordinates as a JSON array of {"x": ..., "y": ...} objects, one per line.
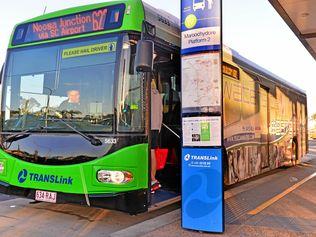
[
  {"x": 95, "y": 153},
  {"x": 75, "y": 109}
]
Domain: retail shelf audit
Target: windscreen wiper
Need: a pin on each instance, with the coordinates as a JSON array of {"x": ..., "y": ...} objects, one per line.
[
  {"x": 17, "y": 136},
  {"x": 93, "y": 140},
  {"x": 21, "y": 135}
]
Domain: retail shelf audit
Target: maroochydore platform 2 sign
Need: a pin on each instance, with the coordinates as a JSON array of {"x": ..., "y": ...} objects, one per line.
[{"x": 200, "y": 25}]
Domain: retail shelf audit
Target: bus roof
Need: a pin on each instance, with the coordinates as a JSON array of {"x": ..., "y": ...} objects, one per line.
[
  {"x": 167, "y": 25},
  {"x": 78, "y": 9},
  {"x": 251, "y": 66}
]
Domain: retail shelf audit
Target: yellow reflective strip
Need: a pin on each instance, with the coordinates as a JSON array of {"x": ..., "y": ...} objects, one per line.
[
  {"x": 134, "y": 107},
  {"x": 268, "y": 203}
]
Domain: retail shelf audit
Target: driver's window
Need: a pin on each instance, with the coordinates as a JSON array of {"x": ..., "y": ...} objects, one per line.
[{"x": 130, "y": 96}]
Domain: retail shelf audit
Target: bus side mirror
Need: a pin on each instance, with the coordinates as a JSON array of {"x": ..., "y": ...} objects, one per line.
[{"x": 144, "y": 60}]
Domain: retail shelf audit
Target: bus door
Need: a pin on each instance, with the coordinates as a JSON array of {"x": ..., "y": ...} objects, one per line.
[
  {"x": 298, "y": 127},
  {"x": 294, "y": 130},
  {"x": 264, "y": 126},
  {"x": 166, "y": 79}
]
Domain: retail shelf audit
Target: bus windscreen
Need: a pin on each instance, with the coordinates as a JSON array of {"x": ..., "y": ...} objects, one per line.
[{"x": 101, "y": 19}]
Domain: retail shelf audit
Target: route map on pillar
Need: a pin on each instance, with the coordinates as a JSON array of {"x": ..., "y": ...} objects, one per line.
[{"x": 201, "y": 83}]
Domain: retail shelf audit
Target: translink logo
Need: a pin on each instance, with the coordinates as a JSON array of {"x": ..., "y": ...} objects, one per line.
[
  {"x": 22, "y": 176},
  {"x": 44, "y": 178}
]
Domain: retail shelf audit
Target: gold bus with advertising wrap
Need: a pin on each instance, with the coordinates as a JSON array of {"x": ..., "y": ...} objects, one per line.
[{"x": 265, "y": 120}]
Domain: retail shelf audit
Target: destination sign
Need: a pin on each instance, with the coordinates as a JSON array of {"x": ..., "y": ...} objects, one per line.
[
  {"x": 230, "y": 70},
  {"x": 101, "y": 19}
]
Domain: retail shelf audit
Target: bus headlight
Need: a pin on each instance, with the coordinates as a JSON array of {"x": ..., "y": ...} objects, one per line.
[{"x": 114, "y": 177}]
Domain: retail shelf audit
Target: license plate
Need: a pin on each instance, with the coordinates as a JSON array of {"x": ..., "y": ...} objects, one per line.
[{"x": 45, "y": 196}]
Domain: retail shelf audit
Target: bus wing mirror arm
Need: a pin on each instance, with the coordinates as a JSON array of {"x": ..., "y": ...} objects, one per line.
[
  {"x": 144, "y": 60},
  {"x": 1, "y": 73}
]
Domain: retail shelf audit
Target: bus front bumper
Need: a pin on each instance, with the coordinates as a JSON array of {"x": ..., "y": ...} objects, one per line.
[{"x": 132, "y": 202}]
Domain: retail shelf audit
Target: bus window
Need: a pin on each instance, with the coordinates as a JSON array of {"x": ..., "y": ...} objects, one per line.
[
  {"x": 250, "y": 96},
  {"x": 304, "y": 143},
  {"x": 25, "y": 85},
  {"x": 22, "y": 65},
  {"x": 34, "y": 86},
  {"x": 264, "y": 126},
  {"x": 232, "y": 101},
  {"x": 131, "y": 87}
]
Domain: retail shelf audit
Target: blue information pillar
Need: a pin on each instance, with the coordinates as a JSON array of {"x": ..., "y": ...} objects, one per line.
[{"x": 202, "y": 110}]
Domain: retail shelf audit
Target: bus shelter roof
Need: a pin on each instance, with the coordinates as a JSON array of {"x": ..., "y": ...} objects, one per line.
[{"x": 300, "y": 15}]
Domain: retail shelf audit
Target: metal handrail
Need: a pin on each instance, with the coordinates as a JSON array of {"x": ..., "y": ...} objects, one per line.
[{"x": 174, "y": 133}]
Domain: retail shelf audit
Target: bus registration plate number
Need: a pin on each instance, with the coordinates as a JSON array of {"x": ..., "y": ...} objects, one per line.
[{"x": 45, "y": 196}]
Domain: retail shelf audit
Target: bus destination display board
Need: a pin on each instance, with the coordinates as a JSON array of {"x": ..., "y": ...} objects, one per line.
[
  {"x": 101, "y": 19},
  {"x": 231, "y": 71}
]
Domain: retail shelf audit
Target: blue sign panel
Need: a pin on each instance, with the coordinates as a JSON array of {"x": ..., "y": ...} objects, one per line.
[
  {"x": 201, "y": 25},
  {"x": 202, "y": 189}
]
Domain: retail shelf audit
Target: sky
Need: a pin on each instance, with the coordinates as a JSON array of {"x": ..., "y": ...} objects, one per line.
[{"x": 251, "y": 27}]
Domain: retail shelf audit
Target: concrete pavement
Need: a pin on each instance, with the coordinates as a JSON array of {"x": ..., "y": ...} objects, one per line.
[
  {"x": 285, "y": 212},
  {"x": 281, "y": 204}
]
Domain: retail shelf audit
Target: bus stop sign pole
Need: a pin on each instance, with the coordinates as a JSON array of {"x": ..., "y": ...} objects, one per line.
[{"x": 202, "y": 116}]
